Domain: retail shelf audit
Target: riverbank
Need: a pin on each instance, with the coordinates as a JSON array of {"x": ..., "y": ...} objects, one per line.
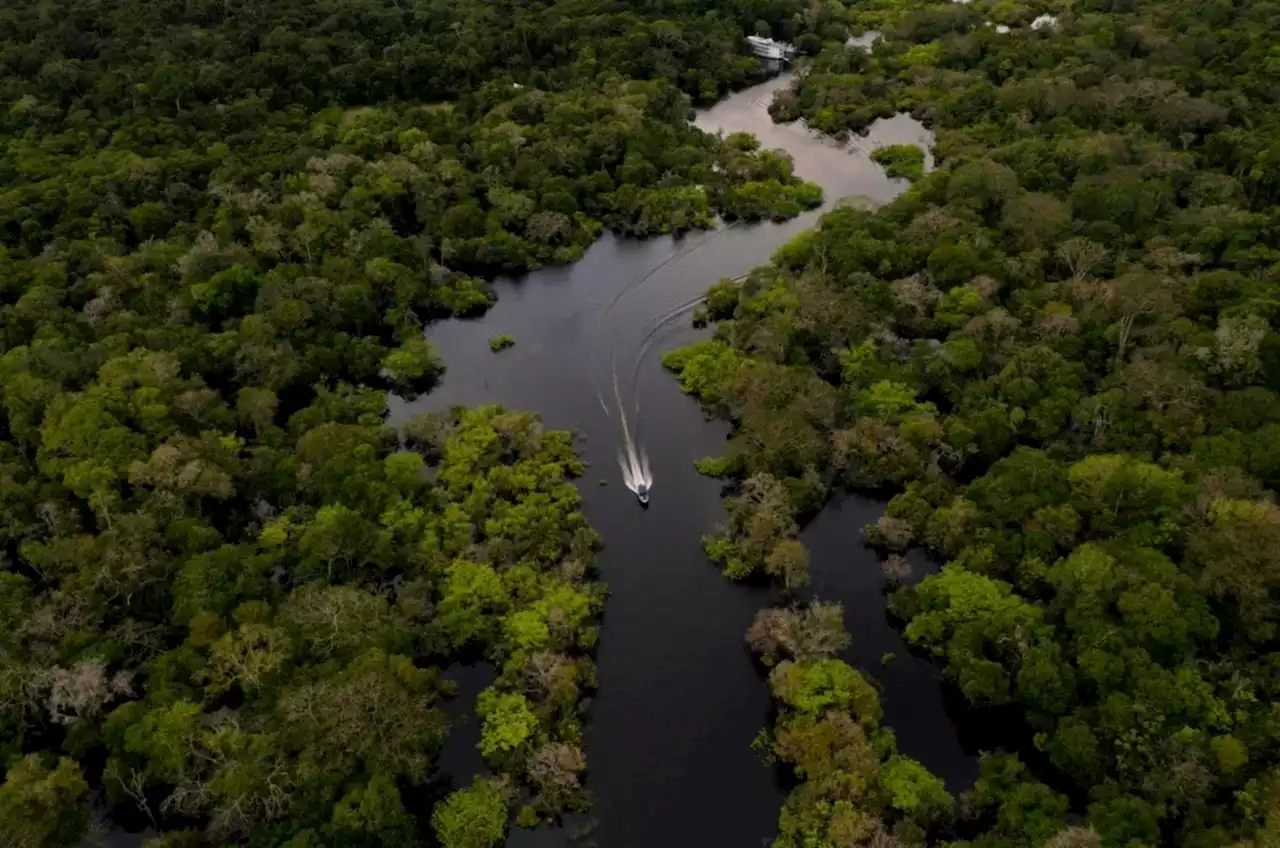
[{"x": 679, "y": 699}]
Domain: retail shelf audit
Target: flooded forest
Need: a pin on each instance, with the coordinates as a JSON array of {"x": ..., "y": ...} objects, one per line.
[{"x": 552, "y": 424}]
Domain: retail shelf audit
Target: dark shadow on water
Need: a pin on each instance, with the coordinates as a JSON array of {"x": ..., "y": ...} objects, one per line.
[
  {"x": 932, "y": 720},
  {"x": 913, "y": 691},
  {"x": 460, "y": 758}
]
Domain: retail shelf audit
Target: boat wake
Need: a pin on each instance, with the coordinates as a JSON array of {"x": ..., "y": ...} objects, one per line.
[
  {"x": 632, "y": 460},
  {"x": 635, "y": 471},
  {"x": 677, "y": 256}
]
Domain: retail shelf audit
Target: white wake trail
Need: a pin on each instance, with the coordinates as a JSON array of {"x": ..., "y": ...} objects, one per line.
[
  {"x": 633, "y": 462},
  {"x": 632, "y": 459},
  {"x": 635, "y": 470},
  {"x": 600, "y": 322}
]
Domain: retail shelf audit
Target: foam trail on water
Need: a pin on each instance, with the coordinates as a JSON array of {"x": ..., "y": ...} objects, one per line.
[
  {"x": 635, "y": 469},
  {"x": 647, "y": 342},
  {"x": 633, "y": 463},
  {"x": 600, "y": 322}
]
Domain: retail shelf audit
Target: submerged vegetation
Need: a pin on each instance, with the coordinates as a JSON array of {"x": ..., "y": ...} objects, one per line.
[
  {"x": 900, "y": 160},
  {"x": 855, "y": 788},
  {"x": 1058, "y": 352}
]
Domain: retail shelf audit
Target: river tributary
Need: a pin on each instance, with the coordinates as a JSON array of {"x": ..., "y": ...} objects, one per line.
[{"x": 679, "y": 700}]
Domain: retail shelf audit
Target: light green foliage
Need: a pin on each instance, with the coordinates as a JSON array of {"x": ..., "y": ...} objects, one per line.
[
  {"x": 705, "y": 369},
  {"x": 923, "y": 54},
  {"x": 815, "y": 687},
  {"x": 414, "y": 362},
  {"x": 888, "y": 401},
  {"x": 1230, "y": 752},
  {"x": 509, "y": 723},
  {"x": 968, "y": 618},
  {"x": 474, "y": 817},
  {"x": 959, "y": 305},
  {"x": 471, "y": 597},
  {"x": 860, "y": 365},
  {"x": 712, "y": 466},
  {"x": 900, "y": 160},
  {"x": 850, "y": 782},
  {"x": 1116, "y": 491},
  {"x": 501, "y": 342},
  {"x": 557, "y": 621},
  {"x": 914, "y": 789},
  {"x": 39, "y": 806}
]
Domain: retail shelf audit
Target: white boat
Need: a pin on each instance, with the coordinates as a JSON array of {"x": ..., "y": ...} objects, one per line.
[{"x": 767, "y": 48}]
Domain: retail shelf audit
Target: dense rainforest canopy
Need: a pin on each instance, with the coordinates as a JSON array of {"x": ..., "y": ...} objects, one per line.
[
  {"x": 1059, "y": 352},
  {"x": 228, "y": 589}
]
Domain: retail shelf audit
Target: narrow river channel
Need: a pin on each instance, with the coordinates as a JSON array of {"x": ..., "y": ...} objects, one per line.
[{"x": 679, "y": 700}]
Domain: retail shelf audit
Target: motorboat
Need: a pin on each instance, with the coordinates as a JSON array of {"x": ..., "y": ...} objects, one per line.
[{"x": 642, "y": 492}]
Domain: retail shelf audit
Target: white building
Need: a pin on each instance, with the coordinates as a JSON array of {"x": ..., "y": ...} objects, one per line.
[{"x": 767, "y": 48}]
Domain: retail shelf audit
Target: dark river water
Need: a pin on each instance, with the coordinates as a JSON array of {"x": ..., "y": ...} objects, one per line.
[{"x": 679, "y": 700}]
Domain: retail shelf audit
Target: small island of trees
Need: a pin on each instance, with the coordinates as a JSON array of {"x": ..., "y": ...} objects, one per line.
[
  {"x": 501, "y": 342},
  {"x": 900, "y": 160}
]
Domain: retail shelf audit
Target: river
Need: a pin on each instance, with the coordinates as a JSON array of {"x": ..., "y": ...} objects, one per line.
[{"x": 679, "y": 699}]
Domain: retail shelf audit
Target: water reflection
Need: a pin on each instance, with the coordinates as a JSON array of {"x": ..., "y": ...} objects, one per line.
[
  {"x": 679, "y": 702},
  {"x": 842, "y": 170},
  {"x": 460, "y": 759},
  {"x": 913, "y": 690}
]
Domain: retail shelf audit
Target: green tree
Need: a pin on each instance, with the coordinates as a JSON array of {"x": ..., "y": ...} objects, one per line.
[
  {"x": 913, "y": 789},
  {"x": 40, "y": 806},
  {"x": 474, "y": 817},
  {"x": 509, "y": 723},
  {"x": 372, "y": 816}
]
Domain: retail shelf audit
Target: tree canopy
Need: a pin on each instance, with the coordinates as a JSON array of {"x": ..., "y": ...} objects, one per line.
[
  {"x": 1056, "y": 352},
  {"x": 228, "y": 588}
]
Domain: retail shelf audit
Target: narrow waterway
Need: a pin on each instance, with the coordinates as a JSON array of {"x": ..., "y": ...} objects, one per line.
[{"x": 679, "y": 699}]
